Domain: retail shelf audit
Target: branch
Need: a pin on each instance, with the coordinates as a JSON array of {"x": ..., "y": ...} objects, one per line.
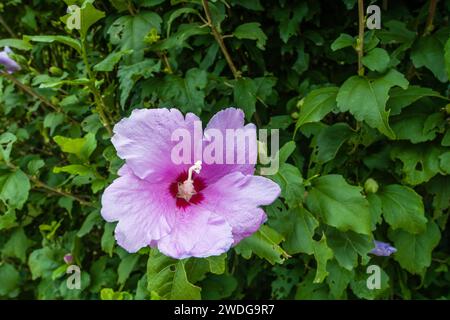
[
  {"x": 7, "y": 28},
  {"x": 431, "y": 12},
  {"x": 219, "y": 40},
  {"x": 360, "y": 40},
  {"x": 99, "y": 102},
  {"x": 34, "y": 94},
  {"x": 39, "y": 184}
]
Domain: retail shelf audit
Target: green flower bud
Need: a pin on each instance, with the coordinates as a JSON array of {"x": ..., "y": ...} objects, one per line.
[
  {"x": 55, "y": 71},
  {"x": 447, "y": 108},
  {"x": 371, "y": 186},
  {"x": 294, "y": 115}
]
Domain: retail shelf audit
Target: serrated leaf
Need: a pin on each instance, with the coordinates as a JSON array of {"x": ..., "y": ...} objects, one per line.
[
  {"x": 414, "y": 250},
  {"x": 376, "y": 59},
  {"x": 265, "y": 243},
  {"x": 322, "y": 253},
  {"x": 14, "y": 189},
  {"x": 252, "y": 31},
  {"x": 366, "y": 99},
  {"x": 339, "y": 204},
  {"x": 167, "y": 278},
  {"x": 244, "y": 93},
  {"x": 318, "y": 103}
]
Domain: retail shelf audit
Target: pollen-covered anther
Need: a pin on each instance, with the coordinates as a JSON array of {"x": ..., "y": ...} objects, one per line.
[{"x": 186, "y": 189}]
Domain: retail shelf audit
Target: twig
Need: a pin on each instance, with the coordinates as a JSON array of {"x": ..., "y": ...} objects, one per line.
[
  {"x": 219, "y": 40},
  {"x": 7, "y": 28},
  {"x": 39, "y": 184},
  {"x": 431, "y": 12},
  {"x": 34, "y": 94},
  {"x": 99, "y": 102},
  {"x": 360, "y": 41}
]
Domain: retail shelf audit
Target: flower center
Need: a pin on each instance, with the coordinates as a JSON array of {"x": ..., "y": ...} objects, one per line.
[{"x": 186, "y": 189}]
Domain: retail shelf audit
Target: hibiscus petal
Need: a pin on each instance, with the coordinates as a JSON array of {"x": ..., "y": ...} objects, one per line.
[
  {"x": 144, "y": 141},
  {"x": 145, "y": 211},
  {"x": 237, "y": 197},
  {"x": 198, "y": 233},
  {"x": 231, "y": 118}
]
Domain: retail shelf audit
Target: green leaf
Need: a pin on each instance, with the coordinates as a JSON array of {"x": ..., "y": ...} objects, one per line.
[
  {"x": 167, "y": 278},
  {"x": 290, "y": 180},
  {"x": 300, "y": 228},
  {"x": 42, "y": 262},
  {"x": 34, "y": 165},
  {"x": 444, "y": 161},
  {"x": 339, "y": 204},
  {"x": 129, "y": 75},
  {"x": 251, "y": 30},
  {"x": 129, "y": 32},
  {"x": 447, "y": 57},
  {"x": 17, "y": 245},
  {"x": 414, "y": 250},
  {"x": 244, "y": 92},
  {"x": 88, "y": 15},
  {"x": 322, "y": 253},
  {"x": 347, "y": 246},
  {"x": 329, "y": 141},
  {"x": 91, "y": 220},
  {"x": 7, "y": 140},
  {"x": 126, "y": 266},
  {"x": 188, "y": 93},
  {"x": 318, "y": 103},
  {"x": 338, "y": 279},
  {"x": 362, "y": 291},
  {"x": 111, "y": 60},
  {"x": 417, "y": 126},
  {"x": 376, "y": 59},
  {"x": 428, "y": 52},
  {"x": 14, "y": 189},
  {"x": 10, "y": 280},
  {"x": 108, "y": 241},
  {"x": 75, "y": 44},
  {"x": 16, "y": 43},
  {"x": 289, "y": 19},
  {"x": 400, "y": 98},
  {"x": 265, "y": 244},
  {"x": 75, "y": 169},
  {"x": 81, "y": 147},
  {"x": 366, "y": 99},
  {"x": 52, "y": 120},
  {"x": 420, "y": 161},
  {"x": 402, "y": 208},
  {"x": 343, "y": 41}
]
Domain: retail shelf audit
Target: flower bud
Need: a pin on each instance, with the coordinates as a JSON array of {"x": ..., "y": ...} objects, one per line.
[
  {"x": 370, "y": 186},
  {"x": 55, "y": 71}
]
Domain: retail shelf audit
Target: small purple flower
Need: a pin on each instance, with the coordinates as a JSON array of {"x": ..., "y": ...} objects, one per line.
[
  {"x": 185, "y": 210},
  {"x": 383, "y": 249},
  {"x": 10, "y": 65},
  {"x": 68, "y": 258}
]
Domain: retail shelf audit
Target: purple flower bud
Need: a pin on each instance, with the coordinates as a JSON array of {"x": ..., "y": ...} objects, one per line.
[
  {"x": 10, "y": 65},
  {"x": 68, "y": 258},
  {"x": 383, "y": 249}
]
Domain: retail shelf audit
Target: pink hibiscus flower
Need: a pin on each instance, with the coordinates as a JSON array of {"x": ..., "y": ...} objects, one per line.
[{"x": 186, "y": 210}]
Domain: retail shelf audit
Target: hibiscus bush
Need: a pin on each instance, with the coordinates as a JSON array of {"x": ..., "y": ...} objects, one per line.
[{"x": 358, "y": 208}]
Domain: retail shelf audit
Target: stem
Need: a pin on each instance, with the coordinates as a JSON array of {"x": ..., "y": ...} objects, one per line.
[
  {"x": 219, "y": 40},
  {"x": 431, "y": 12},
  {"x": 7, "y": 28},
  {"x": 360, "y": 41},
  {"x": 99, "y": 102},
  {"x": 34, "y": 94},
  {"x": 39, "y": 184}
]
